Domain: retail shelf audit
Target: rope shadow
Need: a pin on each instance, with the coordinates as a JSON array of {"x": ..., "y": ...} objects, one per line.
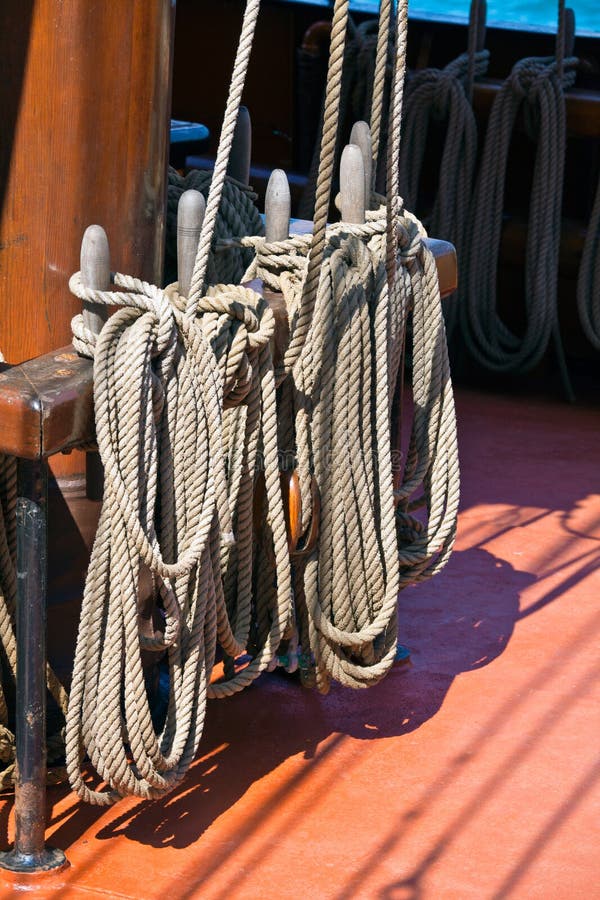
[
  {"x": 251, "y": 735},
  {"x": 411, "y": 886}
]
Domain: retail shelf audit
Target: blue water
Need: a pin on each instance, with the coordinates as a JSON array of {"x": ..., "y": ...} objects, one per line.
[{"x": 533, "y": 14}]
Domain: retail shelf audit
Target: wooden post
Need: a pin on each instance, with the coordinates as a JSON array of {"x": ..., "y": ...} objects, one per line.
[
  {"x": 75, "y": 149},
  {"x": 241, "y": 149},
  {"x": 352, "y": 185},
  {"x": 190, "y": 216}
]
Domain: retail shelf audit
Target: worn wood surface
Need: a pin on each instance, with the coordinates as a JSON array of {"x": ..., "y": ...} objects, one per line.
[
  {"x": 46, "y": 404},
  {"x": 75, "y": 150}
]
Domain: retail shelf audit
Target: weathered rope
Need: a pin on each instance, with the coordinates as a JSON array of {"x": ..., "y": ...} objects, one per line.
[
  {"x": 335, "y": 425},
  {"x": 443, "y": 95},
  {"x": 166, "y": 368},
  {"x": 588, "y": 281},
  {"x": 186, "y": 406},
  {"x": 536, "y": 86},
  {"x": 171, "y": 501},
  {"x": 238, "y": 216},
  {"x": 225, "y": 142},
  {"x": 381, "y": 80}
]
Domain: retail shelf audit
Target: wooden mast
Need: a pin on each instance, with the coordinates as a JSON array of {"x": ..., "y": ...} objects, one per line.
[
  {"x": 85, "y": 93},
  {"x": 85, "y": 99}
]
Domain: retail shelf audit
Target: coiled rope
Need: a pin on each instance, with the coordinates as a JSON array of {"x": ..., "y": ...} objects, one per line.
[
  {"x": 238, "y": 216},
  {"x": 165, "y": 369},
  {"x": 334, "y": 417},
  {"x": 588, "y": 280},
  {"x": 185, "y": 401},
  {"x": 444, "y": 95},
  {"x": 535, "y": 85}
]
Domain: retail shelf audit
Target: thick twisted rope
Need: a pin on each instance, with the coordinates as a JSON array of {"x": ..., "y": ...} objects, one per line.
[
  {"x": 380, "y": 81},
  {"x": 238, "y": 216},
  {"x": 588, "y": 280},
  {"x": 169, "y": 507},
  {"x": 364, "y": 92},
  {"x": 536, "y": 86},
  {"x": 166, "y": 370},
  {"x": 185, "y": 402},
  {"x": 234, "y": 98},
  {"x": 338, "y": 398},
  {"x": 302, "y": 315}
]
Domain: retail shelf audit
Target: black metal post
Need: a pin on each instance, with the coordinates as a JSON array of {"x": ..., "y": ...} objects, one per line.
[{"x": 30, "y": 855}]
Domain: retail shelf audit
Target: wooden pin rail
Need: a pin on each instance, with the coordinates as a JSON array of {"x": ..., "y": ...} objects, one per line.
[{"x": 46, "y": 404}]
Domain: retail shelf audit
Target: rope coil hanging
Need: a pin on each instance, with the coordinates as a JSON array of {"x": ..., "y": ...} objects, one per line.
[
  {"x": 537, "y": 86},
  {"x": 186, "y": 401},
  {"x": 445, "y": 95},
  {"x": 335, "y": 413},
  {"x": 161, "y": 424}
]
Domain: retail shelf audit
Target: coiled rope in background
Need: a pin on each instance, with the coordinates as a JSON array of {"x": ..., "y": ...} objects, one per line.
[
  {"x": 536, "y": 86},
  {"x": 588, "y": 280},
  {"x": 444, "y": 95}
]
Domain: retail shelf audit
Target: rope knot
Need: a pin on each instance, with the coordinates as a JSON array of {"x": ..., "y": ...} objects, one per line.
[
  {"x": 135, "y": 295},
  {"x": 410, "y": 237},
  {"x": 529, "y": 76},
  {"x": 245, "y": 306}
]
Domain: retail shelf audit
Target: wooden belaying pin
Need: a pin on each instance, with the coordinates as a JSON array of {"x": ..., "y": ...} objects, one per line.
[
  {"x": 361, "y": 136},
  {"x": 278, "y": 207},
  {"x": 190, "y": 216},
  {"x": 241, "y": 148},
  {"x": 569, "y": 31},
  {"x": 352, "y": 185},
  {"x": 95, "y": 274},
  {"x": 479, "y": 11}
]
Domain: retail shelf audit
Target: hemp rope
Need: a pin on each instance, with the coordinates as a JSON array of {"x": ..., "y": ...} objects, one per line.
[
  {"x": 443, "y": 95},
  {"x": 180, "y": 426},
  {"x": 588, "y": 280},
  {"x": 172, "y": 500},
  {"x": 238, "y": 216},
  {"x": 341, "y": 389},
  {"x": 339, "y": 396},
  {"x": 537, "y": 86},
  {"x": 366, "y": 77}
]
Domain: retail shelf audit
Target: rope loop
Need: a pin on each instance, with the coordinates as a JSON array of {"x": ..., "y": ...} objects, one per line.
[{"x": 529, "y": 76}]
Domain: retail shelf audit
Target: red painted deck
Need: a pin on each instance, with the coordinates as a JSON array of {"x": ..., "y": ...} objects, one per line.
[{"x": 472, "y": 774}]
